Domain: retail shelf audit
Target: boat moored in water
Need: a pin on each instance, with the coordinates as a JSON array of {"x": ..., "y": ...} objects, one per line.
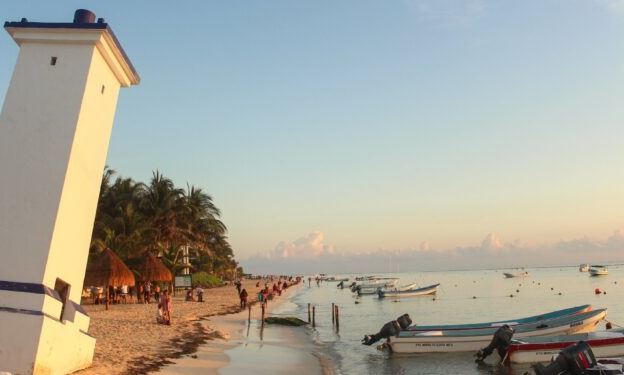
[
  {"x": 604, "y": 344},
  {"x": 511, "y": 322},
  {"x": 596, "y": 270},
  {"x": 407, "y": 341},
  {"x": 509, "y": 275},
  {"x": 408, "y": 291}
]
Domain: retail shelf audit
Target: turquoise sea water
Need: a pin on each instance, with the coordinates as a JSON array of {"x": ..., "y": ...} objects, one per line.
[{"x": 454, "y": 303}]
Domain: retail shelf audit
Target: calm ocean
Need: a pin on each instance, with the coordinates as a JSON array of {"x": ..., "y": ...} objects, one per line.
[{"x": 546, "y": 289}]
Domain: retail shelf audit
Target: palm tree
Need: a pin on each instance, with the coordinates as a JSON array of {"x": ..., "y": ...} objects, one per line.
[{"x": 134, "y": 218}]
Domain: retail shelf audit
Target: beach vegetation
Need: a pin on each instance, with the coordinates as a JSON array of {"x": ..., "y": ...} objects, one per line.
[
  {"x": 206, "y": 280},
  {"x": 134, "y": 219}
]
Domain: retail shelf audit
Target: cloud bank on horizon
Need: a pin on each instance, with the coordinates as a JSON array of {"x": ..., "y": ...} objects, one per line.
[{"x": 309, "y": 255}]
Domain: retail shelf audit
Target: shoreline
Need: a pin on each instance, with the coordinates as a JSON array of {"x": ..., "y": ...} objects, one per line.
[
  {"x": 245, "y": 347},
  {"x": 129, "y": 341}
]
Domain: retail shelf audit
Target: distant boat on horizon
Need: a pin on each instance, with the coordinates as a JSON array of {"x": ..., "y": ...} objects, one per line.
[
  {"x": 509, "y": 275},
  {"x": 584, "y": 267},
  {"x": 597, "y": 270}
]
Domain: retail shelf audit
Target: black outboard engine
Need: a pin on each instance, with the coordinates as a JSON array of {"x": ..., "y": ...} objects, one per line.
[
  {"x": 500, "y": 342},
  {"x": 389, "y": 329},
  {"x": 574, "y": 360}
]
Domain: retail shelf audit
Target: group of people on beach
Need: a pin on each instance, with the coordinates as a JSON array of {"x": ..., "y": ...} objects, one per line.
[
  {"x": 121, "y": 294},
  {"x": 195, "y": 295}
]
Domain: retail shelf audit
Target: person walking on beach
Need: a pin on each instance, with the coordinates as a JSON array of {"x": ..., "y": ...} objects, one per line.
[
  {"x": 165, "y": 305},
  {"x": 157, "y": 293},
  {"x": 243, "y": 298},
  {"x": 238, "y": 286},
  {"x": 148, "y": 291},
  {"x": 200, "y": 293}
]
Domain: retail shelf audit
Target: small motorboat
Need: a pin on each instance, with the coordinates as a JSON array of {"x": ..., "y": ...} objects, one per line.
[
  {"x": 408, "y": 291},
  {"x": 511, "y": 322},
  {"x": 372, "y": 286},
  {"x": 335, "y": 279},
  {"x": 509, "y": 275},
  {"x": 579, "y": 358},
  {"x": 604, "y": 344},
  {"x": 596, "y": 270},
  {"x": 407, "y": 341},
  {"x": 584, "y": 267},
  {"x": 571, "y": 357}
]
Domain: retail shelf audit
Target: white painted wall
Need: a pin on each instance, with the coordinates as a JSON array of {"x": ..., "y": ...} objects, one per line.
[{"x": 55, "y": 128}]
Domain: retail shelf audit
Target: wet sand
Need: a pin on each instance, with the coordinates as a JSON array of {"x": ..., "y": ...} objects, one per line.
[
  {"x": 129, "y": 341},
  {"x": 251, "y": 348}
]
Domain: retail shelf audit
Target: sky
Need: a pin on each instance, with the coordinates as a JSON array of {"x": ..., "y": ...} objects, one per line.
[{"x": 337, "y": 129}]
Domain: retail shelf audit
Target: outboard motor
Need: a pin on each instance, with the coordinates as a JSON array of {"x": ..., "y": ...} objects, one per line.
[
  {"x": 340, "y": 285},
  {"x": 500, "y": 342},
  {"x": 574, "y": 360},
  {"x": 389, "y": 329}
]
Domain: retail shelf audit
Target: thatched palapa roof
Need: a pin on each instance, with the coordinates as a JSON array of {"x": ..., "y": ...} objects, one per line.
[
  {"x": 108, "y": 269},
  {"x": 153, "y": 269}
]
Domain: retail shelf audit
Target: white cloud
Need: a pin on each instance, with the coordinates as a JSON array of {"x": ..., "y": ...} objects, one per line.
[
  {"x": 310, "y": 255},
  {"x": 614, "y": 5},
  {"x": 307, "y": 246},
  {"x": 491, "y": 243}
]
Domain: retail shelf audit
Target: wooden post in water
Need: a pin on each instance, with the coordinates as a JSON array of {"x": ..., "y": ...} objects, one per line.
[
  {"x": 313, "y": 316},
  {"x": 249, "y": 318},
  {"x": 333, "y": 312},
  {"x": 337, "y": 318},
  {"x": 263, "y": 308},
  {"x": 309, "y": 319}
]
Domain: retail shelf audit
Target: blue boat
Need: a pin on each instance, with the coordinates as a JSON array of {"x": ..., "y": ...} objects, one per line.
[{"x": 511, "y": 322}]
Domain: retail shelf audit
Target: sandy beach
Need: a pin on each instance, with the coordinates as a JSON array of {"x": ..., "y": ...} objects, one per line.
[
  {"x": 130, "y": 342},
  {"x": 247, "y": 348}
]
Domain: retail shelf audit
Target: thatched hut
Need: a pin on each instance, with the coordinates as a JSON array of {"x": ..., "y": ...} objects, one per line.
[
  {"x": 152, "y": 269},
  {"x": 108, "y": 269}
]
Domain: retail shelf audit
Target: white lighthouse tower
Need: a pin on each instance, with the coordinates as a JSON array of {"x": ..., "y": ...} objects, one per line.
[{"x": 55, "y": 127}]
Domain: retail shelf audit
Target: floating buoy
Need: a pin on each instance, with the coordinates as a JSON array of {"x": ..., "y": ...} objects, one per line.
[
  {"x": 560, "y": 293},
  {"x": 474, "y": 297},
  {"x": 597, "y": 291},
  {"x": 539, "y": 283},
  {"x": 433, "y": 299},
  {"x": 608, "y": 325},
  {"x": 511, "y": 296},
  {"x": 517, "y": 290},
  {"x": 605, "y": 292},
  {"x": 552, "y": 288}
]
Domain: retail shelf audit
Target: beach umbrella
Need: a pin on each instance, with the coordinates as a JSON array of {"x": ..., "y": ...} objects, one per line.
[
  {"x": 108, "y": 269},
  {"x": 152, "y": 269}
]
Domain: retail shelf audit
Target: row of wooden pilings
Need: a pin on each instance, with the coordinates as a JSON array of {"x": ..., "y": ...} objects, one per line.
[
  {"x": 335, "y": 315},
  {"x": 311, "y": 315}
]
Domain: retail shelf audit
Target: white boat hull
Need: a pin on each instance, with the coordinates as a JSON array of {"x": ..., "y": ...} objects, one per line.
[
  {"x": 451, "y": 344},
  {"x": 598, "y": 272},
  {"x": 546, "y": 355},
  {"x": 512, "y": 275},
  {"x": 606, "y": 344},
  {"x": 397, "y": 293}
]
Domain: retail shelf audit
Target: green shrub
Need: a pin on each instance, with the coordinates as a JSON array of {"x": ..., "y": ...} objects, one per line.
[{"x": 205, "y": 279}]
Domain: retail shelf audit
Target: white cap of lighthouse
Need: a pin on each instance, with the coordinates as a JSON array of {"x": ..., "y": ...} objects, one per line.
[{"x": 55, "y": 128}]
